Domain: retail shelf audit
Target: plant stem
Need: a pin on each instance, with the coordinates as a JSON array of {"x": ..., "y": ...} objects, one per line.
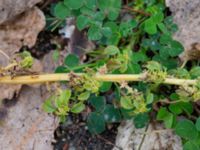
[{"x": 31, "y": 79}]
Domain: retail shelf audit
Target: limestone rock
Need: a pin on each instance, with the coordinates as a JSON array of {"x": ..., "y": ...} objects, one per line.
[
  {"x": 151, "y": 138},
  {"x": 187, "y": 16},
  {"x": 11, "y": 8}
]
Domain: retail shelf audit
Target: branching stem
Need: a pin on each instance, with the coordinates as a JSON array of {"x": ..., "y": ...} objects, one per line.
[{"x": 31, "y": 79}]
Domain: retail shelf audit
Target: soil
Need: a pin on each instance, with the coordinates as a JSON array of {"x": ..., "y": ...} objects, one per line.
[{"x": 74, "y": 135}]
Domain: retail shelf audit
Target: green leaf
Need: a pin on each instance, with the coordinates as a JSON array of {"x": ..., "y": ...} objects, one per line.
[
  {"x": 141, "y": 120},
  {"x": 61, "y": 11},
  {"x": 106, "y": 31},
  {"x": 126, "y": 102},
  {"x": 133, "y": 68},
  {"x": 61, "y": 69},
  {"x": 150, "y": 26},
  {"x": 71, "y": 60},
  {"x": 187, "y": 107},
  {"x": 77, "y": 108},
  {"x": 114, "y": 39},
  {"x": 110, "y": 7},
  {"x": 186, "y": 129},
  {"x": 48, "y": 105},
  {"x": 165, "y": 116},
  {"x": 105, "y": 86},
  {"x": 98, "y": 103},
  {"x": 112, "y": 25},
  {"x": 190, "y": 145},
  {"x": 74, "y": 4},
  {"x": 139, "y": 57},
  {"x": 111, "y": 50},
  {"x": 195, "y": 72},
  {"x": 98, "y": 17},
  {"x": 174, "y": 96},
  {"x": 176, "y": 48},
  {"x": 179, "y": 107},
  {"x": 158, "y": 17},
  {"x": 180, "y": 73},
  {"x": 63, "y": 98},
  {"x": 96, "y": 123},
  {"x": 82, "y": 22},
  {"x": 127, "y": 27},
  {"x": 197, "y": 124},
  {"x": 175, "y": 108},
  {"x": 149, "y": 98},
  {"x": 90, "y": 4},
  {"x": 163, "y": 28},
  {"x": 111, "y": 114},
  {"x": 84, "y": 96},
  {"x": 94, "y": 33}
]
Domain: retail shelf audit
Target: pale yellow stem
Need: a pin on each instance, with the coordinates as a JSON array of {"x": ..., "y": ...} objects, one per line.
[{"x": 31, "y": 79}]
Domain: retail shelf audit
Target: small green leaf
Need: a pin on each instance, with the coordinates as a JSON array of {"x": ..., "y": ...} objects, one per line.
[
  {"x": 63, "y": 98},
  {"x": 48, "y": 105},
  {"x": 96, "y": 123},
  {"x": 149, "y": 98},
  {"x": 82, "y": 22},
  {"x": 150, "y": 26},
  {"x": 127, "y": 27},
  {"x": 61, "y": 11},
  {"x": 84, "y": 96},
  {"x": 94, "y": 33},
  {"x": 186, "y": 129},
  {"x": 190, "y": 145},
  {"x": 77, "y": 108},
  {"x": 126, "y": 102},
  {"x": 141, "y": 120},
  {"x": 105, "y": 86},
  {"x": 176, "y": 49},
  {"x": 158, "y": 17},
  {"x": 111, "y": 114},
  {"x": 175, "y": 108},
  {"x": 111, "y": 50},
  {"x": 163, "y": 28},
  {"x": 61, "y": 69},
  {"x": 110, "y": 7},
  {"x": 139, "y": 57},
  {"x": 106, "y": 31},
  {"x": 98, "y": 103},
  {"x": 165, "y": 116},
  {"x": 74, "y": 4},
  {"x": 197, "y": 124},
  {"x": 98, "y": 16},
  {"x": 195, "y": 72},
  {"x": 71, "y": 60},
  {"x": 90, "y": 4},
  {"x": 187, "y": 107}
]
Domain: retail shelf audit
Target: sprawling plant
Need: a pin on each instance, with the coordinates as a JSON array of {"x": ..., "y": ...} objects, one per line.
[{"x": 134, "y": 68}]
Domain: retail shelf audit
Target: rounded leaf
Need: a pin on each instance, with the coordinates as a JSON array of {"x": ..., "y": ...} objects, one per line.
[
  {"x": 77, "y": 108},
  {"x": 96, "y": 123},
  {"x": 82, "y": 22},
  {"x": 190, "y": 145},
  {"x": 111, "y": 50},
  {"x": 111, "y": 114},
  {"x": 197, "y": 124},
  {"x": 126, "y": 102},
  {"x": 61, "y": 11},
  {"x": 74, "y": 4},
  {"x": 71, "y": 60},
  {"x": 186, "y": 129},
  {"x": 94, "y": 33}
]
